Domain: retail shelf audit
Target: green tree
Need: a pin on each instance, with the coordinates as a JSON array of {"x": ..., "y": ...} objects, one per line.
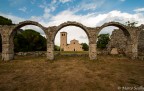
[
  {"x": 5, "y": 21},
  {"x": 103, "y": 40},
  {"x": 29, "y": 40},
  {"x": 131, "y": 24},
  {"x": 56, "y": 48},
  {"x": 85, "y": 47}
]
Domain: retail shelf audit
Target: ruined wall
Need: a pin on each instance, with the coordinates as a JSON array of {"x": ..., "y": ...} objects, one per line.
[
  {"x": 141, "y": 44},
  {"x": 8, "y": 33},
  {"x": 117, "y": 40},
  {"x": 35, "y": 53}
]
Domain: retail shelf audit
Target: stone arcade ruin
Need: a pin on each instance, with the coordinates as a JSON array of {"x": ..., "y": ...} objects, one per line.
[
  {"x": 119, "y": 41},
  {"x": 131, "y": 34}
]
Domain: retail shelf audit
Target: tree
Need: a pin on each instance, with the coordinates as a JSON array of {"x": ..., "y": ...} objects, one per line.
[
  {"x": 131, "y": 24},
  {"x": 5, "y": 21},
  {"x": 85, "y": 47},
  {"x": 56, "y": 48},
  {"x": 29, "y": 40},
  {"x": 103, "y": 40}
]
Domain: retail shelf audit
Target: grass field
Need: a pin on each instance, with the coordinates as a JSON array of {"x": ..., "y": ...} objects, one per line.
[{"x": 108, "y": 73}]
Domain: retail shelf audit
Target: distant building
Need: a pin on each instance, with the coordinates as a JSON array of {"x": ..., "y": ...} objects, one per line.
[{"x": 73, "y": 46}]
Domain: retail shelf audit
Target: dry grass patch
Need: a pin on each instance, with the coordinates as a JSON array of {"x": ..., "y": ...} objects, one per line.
[{"x": 70, "y": 74}]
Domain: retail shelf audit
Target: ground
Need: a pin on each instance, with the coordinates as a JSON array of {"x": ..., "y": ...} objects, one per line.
[{"x": 108, "y": 73}]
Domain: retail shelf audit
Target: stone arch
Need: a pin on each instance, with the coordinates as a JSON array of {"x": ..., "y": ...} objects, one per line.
[
  {"x": 18, "y": 26},
  {"x": 54, "y": 30},
  {"x": 70, "y": 23},
  {"x": 24, "y": 23},
  {"x": 126, "y": 32},
  {"x": 116, "y": 24}
]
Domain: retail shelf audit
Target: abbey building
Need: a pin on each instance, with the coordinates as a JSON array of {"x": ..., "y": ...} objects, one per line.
[{"x": 73, "y": 46}]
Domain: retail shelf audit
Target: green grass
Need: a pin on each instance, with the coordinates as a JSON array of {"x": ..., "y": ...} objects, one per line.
[{"x": 72, "y": 52}]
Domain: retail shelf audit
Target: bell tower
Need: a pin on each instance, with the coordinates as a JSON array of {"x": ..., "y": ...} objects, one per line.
[{"x": 63, "y": 40}]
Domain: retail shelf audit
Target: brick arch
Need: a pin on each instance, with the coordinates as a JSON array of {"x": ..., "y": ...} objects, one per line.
[
  {"x": 24, "y": 23},
  {"x": 116, "y": 24},
  {"x": 70, "y": 23}
]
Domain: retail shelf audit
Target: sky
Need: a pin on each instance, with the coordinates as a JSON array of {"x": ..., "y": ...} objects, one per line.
[{"x": 91, "y": 13}]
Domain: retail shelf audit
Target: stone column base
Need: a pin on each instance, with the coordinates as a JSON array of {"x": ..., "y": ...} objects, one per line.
[{"x": 7, "y": 56}]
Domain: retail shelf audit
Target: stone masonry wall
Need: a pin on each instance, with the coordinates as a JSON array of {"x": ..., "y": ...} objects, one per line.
[
  {"x": 141, "y": 44},
  {"x": 117, "y": 40}
]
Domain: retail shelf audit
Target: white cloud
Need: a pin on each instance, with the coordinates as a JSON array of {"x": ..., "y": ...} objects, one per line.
[
  {"x": 89, "y": 5},
  {"x": 90, "y": 20},
  {"x": 23, "y": 9},
  {"x": 16, "y": 2},
  {"x": 64, "y": 1},
  {"x": 48, "y": 8},
  {"x": 15, "y": 19},
  {"x": 83, "y": 37},
  {"x": 139, "y": 10},
  {"x": 34, "y": 28}
]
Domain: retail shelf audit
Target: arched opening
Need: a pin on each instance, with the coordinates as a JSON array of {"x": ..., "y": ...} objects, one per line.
[
  {"x": 113, "y": 39},
  {"x": 74, "y": 49},
  {"x": 141, "y": 44},
  {"x": 28, "y": 39},
  {"x": 71, "y": 39}
]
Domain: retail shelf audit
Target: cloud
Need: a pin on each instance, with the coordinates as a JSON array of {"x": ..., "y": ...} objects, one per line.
[
  {"x": 48, "y": 8},
  {"x": 90, "y": 20},
  {"x": 34, "y": 28},
  {"x": 64, "y": 1},
  {"x": 16, "y": 2},
  {"x": 15, "y": 19},
  {"x": 139, "y": 10},
  {"x": 86, "y": 5},
  {"x": 83, "y": 37},
  {"x": 23, "y": 9}
]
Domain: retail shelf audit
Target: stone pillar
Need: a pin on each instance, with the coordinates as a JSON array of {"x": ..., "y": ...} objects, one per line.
[
  {"x": 7, "y": 48},
  {"x": 92, "y": 51},
  {"x": 92, "y": 45},
  {"x": 128, "y": 49},
  {"x": 50, "y": 51},
  {"x": 132, "y": 44},
  {"x": 134, "y": 51}
]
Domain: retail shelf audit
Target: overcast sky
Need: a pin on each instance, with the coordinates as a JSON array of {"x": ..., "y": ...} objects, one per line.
[{"x": 91, "y": 13}]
